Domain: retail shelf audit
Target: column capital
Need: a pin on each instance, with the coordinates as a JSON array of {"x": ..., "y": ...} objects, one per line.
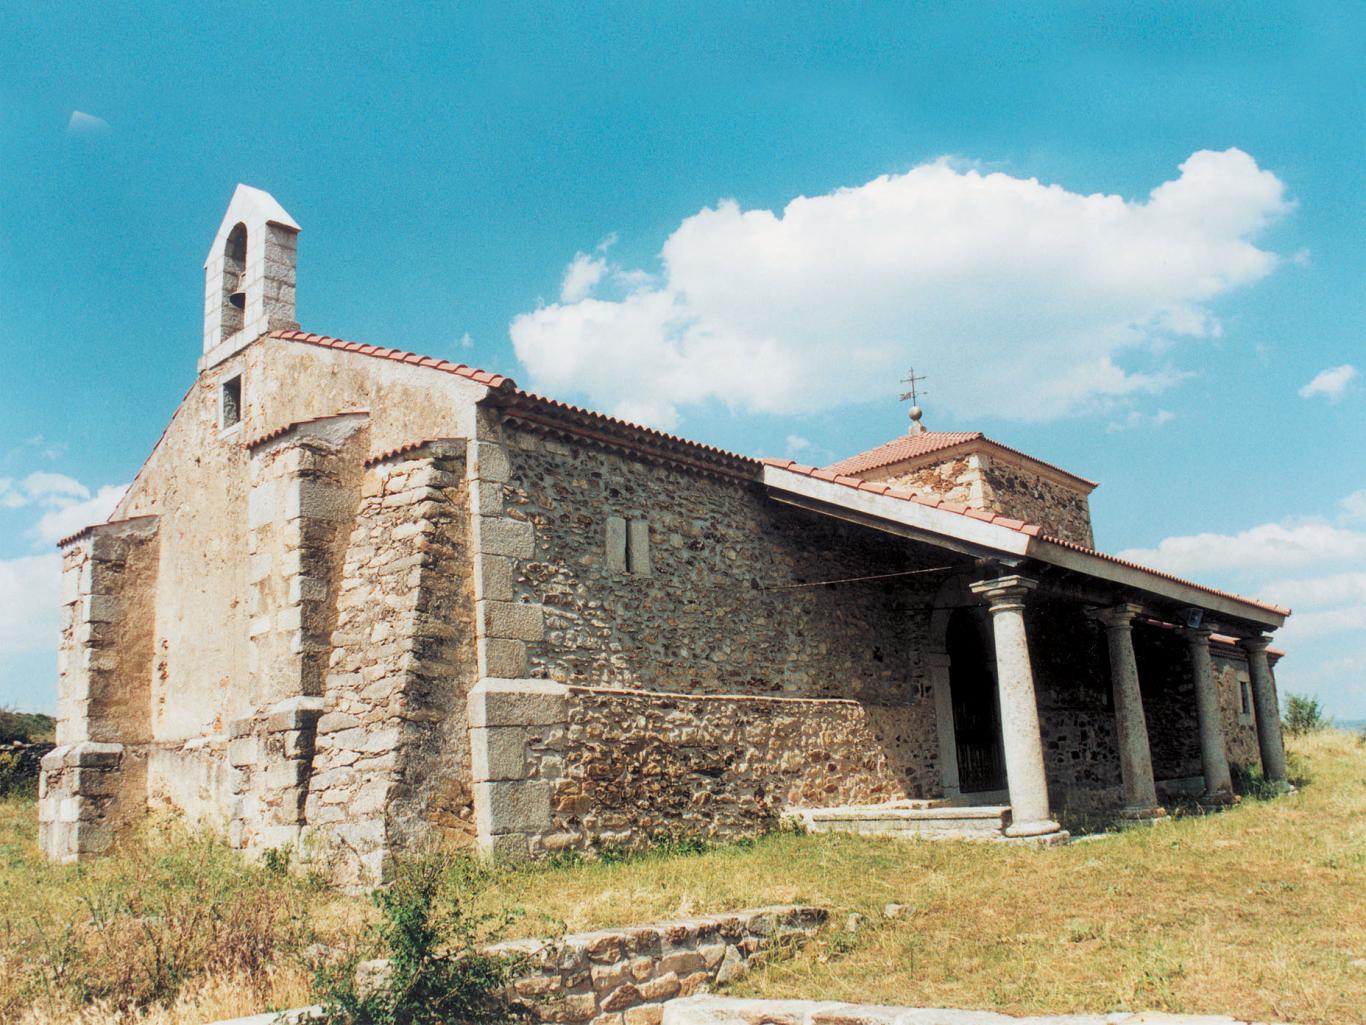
[
  {"x": 1196, "y": 635},
  {"x": 1254, "y": 644},
  {"x": 1004, "y": 592},
  {"x": 1118, "y": 617}
]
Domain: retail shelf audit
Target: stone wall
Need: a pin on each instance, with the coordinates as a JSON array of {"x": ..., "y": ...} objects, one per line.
[
  {"x": 391, "y": 763},
  {"x": 624, "y": 976},
  {"x": 1076, "y": 704},
  {"x": 94, "y": 781},
  {"x": 720, "y": 553},
  {"x": 561, "y": 767},
  {"x": 1022, "y": 493},
  {"x": 989, "y": 480}
]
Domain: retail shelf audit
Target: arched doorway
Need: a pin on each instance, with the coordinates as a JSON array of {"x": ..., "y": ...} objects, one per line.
[{"x": 976, "y": 709}]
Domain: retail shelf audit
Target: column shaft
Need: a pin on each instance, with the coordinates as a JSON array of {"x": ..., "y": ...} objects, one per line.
[
  {"x": 1267, "y": 709},
  {"x": 1213, "y": 752},
  {"x": 1019, "y": 709},
  {"x": 1135, "y": 755}
]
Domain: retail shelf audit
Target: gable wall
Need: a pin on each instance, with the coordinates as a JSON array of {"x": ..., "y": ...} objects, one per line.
[{"x": 198, "y": 481}]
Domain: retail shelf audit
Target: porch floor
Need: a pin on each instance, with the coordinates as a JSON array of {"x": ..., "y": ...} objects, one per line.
[{"x": 924, "y": 819}]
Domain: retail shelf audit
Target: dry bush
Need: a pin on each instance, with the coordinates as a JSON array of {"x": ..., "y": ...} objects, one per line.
[{"x": 170, "y": 911}]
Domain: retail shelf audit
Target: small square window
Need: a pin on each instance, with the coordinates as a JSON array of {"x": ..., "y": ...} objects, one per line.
[
  {"x": 231, "y": 402},
  {"x": 1244, "y": 699}
]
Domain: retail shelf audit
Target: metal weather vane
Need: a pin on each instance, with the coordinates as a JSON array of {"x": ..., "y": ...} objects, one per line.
[{"x": 915, "y": 412}]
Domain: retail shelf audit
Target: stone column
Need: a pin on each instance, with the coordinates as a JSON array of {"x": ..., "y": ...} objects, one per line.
[
  {"x": 1213, "y": 752},
  {"x": 1019, "y": 709},
  {"x": 1135, "y": 756},
  {"x": 1268, "y": 708},
  {"x": 937, "y": 665}
]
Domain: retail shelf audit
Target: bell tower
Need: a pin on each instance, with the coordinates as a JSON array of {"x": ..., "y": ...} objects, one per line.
[{"x": 249, "y": 275}]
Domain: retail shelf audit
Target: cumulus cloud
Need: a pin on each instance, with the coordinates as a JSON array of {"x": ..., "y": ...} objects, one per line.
[
  {"x": 29, "y": 588},
  {"x": 581, "y": 277},
  {"x": 1354, "y": 505},
  {"x": 68, "y": 517},
  {"x": 1024, "y": 299},
  {"x": 1330, "y": 384},
  {"x": 1313, "y": 566}
]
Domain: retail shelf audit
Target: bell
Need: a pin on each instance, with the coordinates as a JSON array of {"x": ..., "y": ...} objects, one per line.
[{"x": 238, "y": 296}]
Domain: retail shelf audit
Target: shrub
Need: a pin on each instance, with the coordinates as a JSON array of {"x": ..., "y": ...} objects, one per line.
[
  {"x": 132, "y": 931},
  {"x": 437, "y": 972},
  {"x": 25, "y": 727},
  {"x": 1303, "y": 714}
]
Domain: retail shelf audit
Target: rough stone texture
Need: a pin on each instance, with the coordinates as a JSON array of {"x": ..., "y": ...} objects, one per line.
[
  {"x": 637, "y": 763},
  {"x": 94, "y": 782},
  {"x": 628, "y": 975},
  {"x": 709, "y": 1010},
  {"x": 391, "y": 764},
  {"x": 720, "y": 554},
  {"x": 986, "y": 480}
]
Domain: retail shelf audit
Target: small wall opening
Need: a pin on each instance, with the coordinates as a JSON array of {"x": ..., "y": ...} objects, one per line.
[
  {"x": 231, "y": 402},
  {"x": 234, "y": 280}
]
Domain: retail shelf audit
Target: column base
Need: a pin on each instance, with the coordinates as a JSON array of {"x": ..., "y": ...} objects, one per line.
[
  {"x": 1219, "y": 797},
  {"x": 1038, "y": 827}
]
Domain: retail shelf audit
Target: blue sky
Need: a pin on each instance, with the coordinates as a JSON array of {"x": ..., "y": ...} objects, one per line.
[{"x": 612, "y": 187}]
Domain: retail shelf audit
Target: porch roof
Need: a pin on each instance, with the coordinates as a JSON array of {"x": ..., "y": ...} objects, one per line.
[{"x": 977, "y": 532}]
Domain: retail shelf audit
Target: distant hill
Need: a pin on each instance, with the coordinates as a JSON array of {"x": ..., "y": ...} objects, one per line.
[
  {"x": 26, "y": 726},
  {"x": 1350, "y": 725}
]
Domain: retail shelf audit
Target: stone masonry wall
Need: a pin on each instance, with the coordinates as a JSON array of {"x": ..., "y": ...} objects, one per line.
[
  {"x": 984, "y": 481},
  {"x": 719, "y": 552},
  {"x": 561, "y": 767},
  {"x": 392, "y": 761},
  {"x": 94, "y": 781},
  {"x": 1076, "y": 705},
  {"x": 624, "y": 976}
]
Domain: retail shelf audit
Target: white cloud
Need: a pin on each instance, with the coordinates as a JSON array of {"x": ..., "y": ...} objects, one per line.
[
  {"x": 56, "y": 487},
  {"x": 1331, "y": 383},
  {"x": 29, "y": 588},
  {"x": 1021, "y": 298},
  {"x": 795, "y": 444},
  {"x": 581, "y": 277},
  {"x": 81, "y": 123},
  {"x": 1267, "y": 547},
  {"x": 1354, "y": 505},
  {"x": 1135, "y": 419},
  {"x": 69, "y": 517},
  {"x": 1310, "y": 565},
  {"x": 466, "y": 341}
]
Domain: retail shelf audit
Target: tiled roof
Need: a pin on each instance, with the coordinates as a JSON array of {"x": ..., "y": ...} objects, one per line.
[
  {"x": 914, "y": 446},
  {"x": 278, "y": 432},
  {"x": 986, "y": 516},
  {"x": 527, "y": 405},
  {"x": 399, "y": 356},
  {"x": 611, "y": 430},
  {"x": 1033, "y": 530},
  {"x": 908, "y": 446}
]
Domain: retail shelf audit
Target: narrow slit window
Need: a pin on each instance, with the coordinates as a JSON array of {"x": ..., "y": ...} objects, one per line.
[
  {"x": 232, "y": 402},
  {"x": 1244, "y": 700}
]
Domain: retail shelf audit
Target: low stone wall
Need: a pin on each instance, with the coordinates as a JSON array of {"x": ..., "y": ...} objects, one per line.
[
  {"x": 624, "y": 976},
  {"x": 559, "y": 767}
]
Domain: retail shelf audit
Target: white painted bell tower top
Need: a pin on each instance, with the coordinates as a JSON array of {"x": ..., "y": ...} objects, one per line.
[{"x": 249, "y": 275}]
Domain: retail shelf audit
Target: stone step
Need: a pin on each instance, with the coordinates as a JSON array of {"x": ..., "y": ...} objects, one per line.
[{"x": 908, "y": 819}]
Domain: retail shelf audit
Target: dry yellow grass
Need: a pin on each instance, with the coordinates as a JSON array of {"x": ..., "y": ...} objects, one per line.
[{"x": 1258, "y": 911}]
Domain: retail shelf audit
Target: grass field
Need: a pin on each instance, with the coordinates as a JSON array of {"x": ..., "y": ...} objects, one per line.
[{"x": 1257, "y": 911}]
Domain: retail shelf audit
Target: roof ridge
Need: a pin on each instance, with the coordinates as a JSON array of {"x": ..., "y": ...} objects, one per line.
[
  {"x": 499, "y": 381},
  {"x": 866, "y": 461}
]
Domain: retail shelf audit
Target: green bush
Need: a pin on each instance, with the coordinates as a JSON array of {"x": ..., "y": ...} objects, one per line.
[
  {"x": 26, "y": 727},
  {"x": 1249, "y": 781},
  {"x": 1303, "y": 714},
  {"x": 433, "y": 939}
]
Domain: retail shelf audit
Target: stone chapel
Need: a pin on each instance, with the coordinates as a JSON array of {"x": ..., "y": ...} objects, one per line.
[{"x": 358, "y": 599}]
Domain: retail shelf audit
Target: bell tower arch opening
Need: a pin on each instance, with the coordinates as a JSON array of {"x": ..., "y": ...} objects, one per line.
[{"x": 234, "y": 297}]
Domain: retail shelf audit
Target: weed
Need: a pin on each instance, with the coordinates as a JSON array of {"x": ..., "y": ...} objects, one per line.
[{"x": 437, "y": 972}]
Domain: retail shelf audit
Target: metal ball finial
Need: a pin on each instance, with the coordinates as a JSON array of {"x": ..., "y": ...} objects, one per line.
[{"x": 916, "y": 413}]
